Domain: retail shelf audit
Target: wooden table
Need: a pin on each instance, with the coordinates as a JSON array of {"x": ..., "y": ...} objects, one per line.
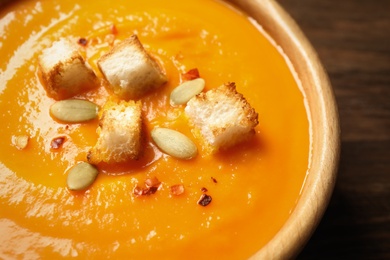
[{"x": 352, "y": 38}]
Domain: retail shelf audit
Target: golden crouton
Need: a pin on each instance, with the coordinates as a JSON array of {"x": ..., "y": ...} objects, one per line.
[
  {"x": 120, "y": 131},
  {"x": 63, "y": 71},
  {"x": 223, "y": 116},
  {"x": 130, "y": 70}
]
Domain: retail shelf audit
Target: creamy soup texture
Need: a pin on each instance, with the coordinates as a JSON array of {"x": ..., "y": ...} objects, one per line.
[{"x": 254, "y": 186}]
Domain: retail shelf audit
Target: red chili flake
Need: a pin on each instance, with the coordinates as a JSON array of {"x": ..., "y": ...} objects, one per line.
[
  {"x": 204, "y": 200},
  {"x": 214, "y": 180},
  {"x": 114, "y": 30},
  {"x": 152, "y": 182},
  {"x": 191, "y": 74},
  {"x": 82, "y": 41},
  {"x": 138, "y": 191},
  {"x": 57, "y": 142},
  {"x": 203, "y": 189},
  {"x": 152, "y": 185},
  {"x": 177, "y": 189},
  {"x": 150, "y": 190}
]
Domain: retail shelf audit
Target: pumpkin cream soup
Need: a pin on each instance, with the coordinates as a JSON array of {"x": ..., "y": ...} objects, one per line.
[{"x": 62, "y": 195}]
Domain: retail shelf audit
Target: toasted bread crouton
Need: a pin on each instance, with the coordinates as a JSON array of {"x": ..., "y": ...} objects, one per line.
[
  {"x": 119, "y": 132},
  {"x": 131, "y": 70},
  {"x": 223, "y": 117},
  {"x": 63, "y": 71}
]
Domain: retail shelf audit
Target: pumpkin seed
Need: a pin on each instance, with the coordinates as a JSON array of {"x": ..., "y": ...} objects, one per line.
[
  {"x": 187, "y": 90},
  {"x": 174, "y": 143},
  {"x": 74, "y": 110},
  {"x": 81, "y": 176}
]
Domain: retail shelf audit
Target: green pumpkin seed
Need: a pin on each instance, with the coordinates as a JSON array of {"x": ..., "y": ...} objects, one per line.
[
  {"x": 187, "y": 90},
  {"x": 74, "y": 110},
  {"x": 81, "y": 176},
  {"x": 174, "y": 143}
]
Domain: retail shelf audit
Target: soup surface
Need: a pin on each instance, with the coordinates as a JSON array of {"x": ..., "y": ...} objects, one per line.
[{"x": 254, "y": 186}]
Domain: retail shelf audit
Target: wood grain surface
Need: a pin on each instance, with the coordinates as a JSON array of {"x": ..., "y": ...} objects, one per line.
[{"x": 352, "y": 38}]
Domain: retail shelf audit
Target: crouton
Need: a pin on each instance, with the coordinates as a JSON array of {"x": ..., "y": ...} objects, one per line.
[
  {"x": 130, "y": 70},
  {"x": 222, "y": 117},
  {"x": 63, "y": 71},
  {"x": 120, "y": 133}
]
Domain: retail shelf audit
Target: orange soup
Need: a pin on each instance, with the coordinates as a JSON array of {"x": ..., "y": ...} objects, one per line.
[{"x": 254, "y": 186}]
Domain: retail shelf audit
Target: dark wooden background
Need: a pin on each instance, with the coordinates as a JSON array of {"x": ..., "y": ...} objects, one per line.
[{"x": 352, "y": 38}]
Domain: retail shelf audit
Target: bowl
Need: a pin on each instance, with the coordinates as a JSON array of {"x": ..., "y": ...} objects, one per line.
[
  {"x": 317, "y": 190},
  {"x": 322, "y": 112}
]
